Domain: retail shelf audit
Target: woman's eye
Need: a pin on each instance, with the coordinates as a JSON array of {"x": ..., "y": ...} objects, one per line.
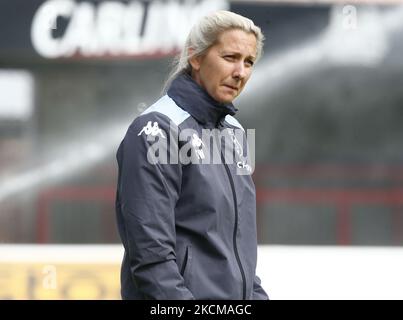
[
  {"x": 229, "y": 58},
  {"x": 250, "y": 62}
]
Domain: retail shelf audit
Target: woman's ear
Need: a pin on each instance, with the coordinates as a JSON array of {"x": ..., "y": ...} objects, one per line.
[{"x": 194, "y": 61}]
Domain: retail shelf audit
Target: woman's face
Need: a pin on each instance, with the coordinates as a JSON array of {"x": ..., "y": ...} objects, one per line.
[{"x": 226, "y": 67}]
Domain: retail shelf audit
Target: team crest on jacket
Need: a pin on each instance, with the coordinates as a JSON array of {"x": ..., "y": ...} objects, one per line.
[
  {"x": 152, "y": 129},
  {"x": 237, "y": 145}
]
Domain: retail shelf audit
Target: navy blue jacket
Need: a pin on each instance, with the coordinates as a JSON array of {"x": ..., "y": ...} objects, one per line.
[{"x": 188, "y": 229}]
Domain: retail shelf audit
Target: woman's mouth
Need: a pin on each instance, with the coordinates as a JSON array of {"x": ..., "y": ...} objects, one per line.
[{"x": 231, "y": 87}]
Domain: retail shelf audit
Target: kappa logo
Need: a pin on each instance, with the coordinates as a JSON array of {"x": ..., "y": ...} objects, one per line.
[
  {"x": 198, "y": 144},
  {"x": 152, "y": 129}
]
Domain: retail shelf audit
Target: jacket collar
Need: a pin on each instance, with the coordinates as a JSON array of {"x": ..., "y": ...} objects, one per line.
[{"x": 192, "y": 98}]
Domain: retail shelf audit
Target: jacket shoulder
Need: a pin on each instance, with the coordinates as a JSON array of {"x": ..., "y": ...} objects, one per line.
[{"x": 167, "y": 107}]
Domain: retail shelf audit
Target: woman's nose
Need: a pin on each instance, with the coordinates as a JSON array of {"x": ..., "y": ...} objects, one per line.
[{"x": 239, "y": 70}]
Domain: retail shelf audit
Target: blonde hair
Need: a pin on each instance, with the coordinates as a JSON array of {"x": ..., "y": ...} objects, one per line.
[{"x": 205, "y": 33}]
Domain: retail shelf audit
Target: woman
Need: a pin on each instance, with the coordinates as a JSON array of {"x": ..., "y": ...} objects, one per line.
[{"x": 189, "y": 228}]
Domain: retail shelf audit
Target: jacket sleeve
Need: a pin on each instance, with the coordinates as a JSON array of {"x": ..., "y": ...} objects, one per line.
[
  {"x": 148, "y": 193},
  {"x": 258, "y": 291}
]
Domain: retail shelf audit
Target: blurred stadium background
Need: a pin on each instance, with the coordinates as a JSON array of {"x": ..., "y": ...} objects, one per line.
[{"x": 326, "y": 101}]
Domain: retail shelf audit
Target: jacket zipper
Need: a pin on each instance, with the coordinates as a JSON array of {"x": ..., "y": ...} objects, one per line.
[{"x": 235, "y": 227}]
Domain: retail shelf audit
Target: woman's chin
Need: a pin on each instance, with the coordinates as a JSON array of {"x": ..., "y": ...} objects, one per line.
[{"x": 225, "y": 98}]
